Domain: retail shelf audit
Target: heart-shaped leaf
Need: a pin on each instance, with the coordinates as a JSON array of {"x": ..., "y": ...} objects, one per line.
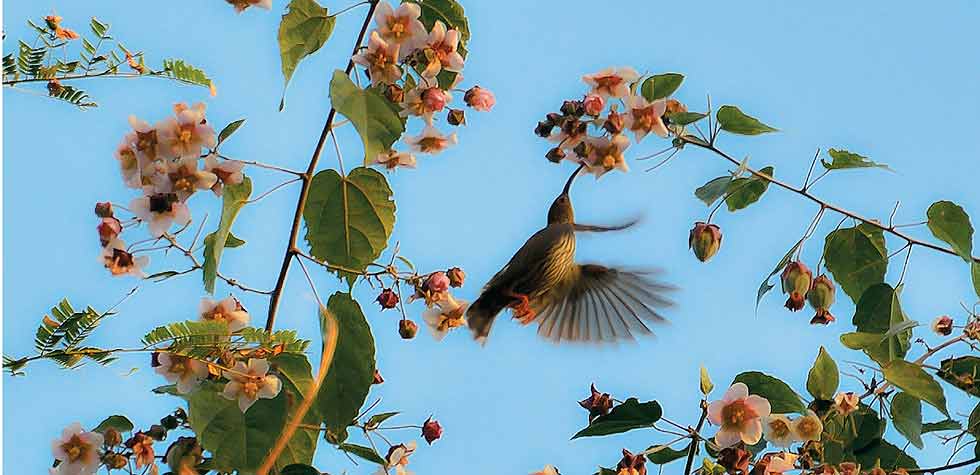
[
  {"x": 629, "y": 415},
  {"x": 733, "y": 120}
]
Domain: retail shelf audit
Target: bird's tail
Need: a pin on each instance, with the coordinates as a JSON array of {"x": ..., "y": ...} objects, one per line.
[{"x": 483, "y": 311}]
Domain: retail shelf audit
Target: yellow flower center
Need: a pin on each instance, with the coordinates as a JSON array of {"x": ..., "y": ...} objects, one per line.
[
  {"x": 429, "y": 144},
  {"x": 808, "y": 427},
  {"x": 397, "y": 27},
  {"x": 127, "y": 159},
  {"x": 251, "y": 387},
  {"x": 186, "y": 134},
  {"x": 644, "y": 119},
  {"x": 75, "y": 448},
  {"x": 736, "y": 413},
  {"x": 780, "y": 429},
  {"x": 608, "y": 82}
]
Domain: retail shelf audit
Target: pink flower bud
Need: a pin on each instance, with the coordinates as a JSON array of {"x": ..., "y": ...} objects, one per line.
[
  {"x": 431, "y": 430},
  {"x": 614, "y": 122},
  {"x": 705, "y": 240},
  {"x": 480, "y": 99},
  {"x": 437, "y": 282},
  {"x": 598, "y": 403},
  {"x": 434, "y": 99},
  {"x": 821, "y": 297},
  {"x": 456, "y": 277},
  {"x": 387, "y": 299},
  {"x": 108, "y": 229},
  {"x": 796, "y": 280},
  {"x": 103, "y": 209},
  {"x": 594, "y": 104},
  {"x": 407, "y": 329},
  {"x": 942, "y": 325}
]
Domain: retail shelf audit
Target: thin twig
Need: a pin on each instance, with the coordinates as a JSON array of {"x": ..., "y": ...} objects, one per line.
[{"x": 694, "y": 442}]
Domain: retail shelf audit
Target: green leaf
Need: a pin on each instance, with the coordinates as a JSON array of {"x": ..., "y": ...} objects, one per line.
[
  {"x": 352, "y": 370},
  {"x": 975, "y": 271},
  {"x": 304, "y": 28},
  {"x": 349, "y": 219},
  {"x": 366, "y": 453},
  {"x": 844, "y": 159},
  {"x": 120, "y": 423},
  {"x": 962, "y": 372},
  {"x": 706, "y": 385},
  {"x": 889, "y": 456},
  {"x": 714, "y": 189},
  {"x": 685, "y": 118},
  {"x": 853, "y": 432},
  {"x": 242, "y": 441},
  {"x": 878, "y": 312},
  {"x": 906, "y": 412},
  {"x": 781, "y": 397},
  {"x": 950, "y": 223},
  {"x": 745, "y": 191},
  {"x": 912, "y": 379},
  {"x": 857, "y": 258},
  {"x": 661, "y": 85},
  {"x": 947, "y": 424},
  {"x": 629, "y": 415},
  {"x": 234, "y": 198},
  {"x": 733, "y": 120},
  {"x": 372, "y": 114},
  {"x": 665, "y": 454},
  {"x": 228, "y": 130},
  {"x": 179, "y": 70},
  {"x": 299, "y": 469},
  {"x": 973, "y": 422},
  {"x": 765, "y": 287},
  {"x": 377, "y": 419},
  {"x": 823, "y": 378}
]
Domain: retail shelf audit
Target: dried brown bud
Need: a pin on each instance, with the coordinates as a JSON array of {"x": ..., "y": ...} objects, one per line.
[
  {"x": 555, "y": 155},
  {"x": 407, "y": 329},
  {"x": 157, "y": 432},
  {"x": 170, "y": 422},
  {"x": 735, "y": 459},
  {"x": 575, "y": 108},
  {"x": 387, "y": 299},
  {"x": 942, "y": 325},
  {"x": 456, "y": 277},
  {"x": 115, "y": 461},
  {"x": 583, "y": 149},
  {"x": 431, "y": 430},
  {"x": 544, "y": 129},
  {"x": 632, "y": 464},
  {"x": 705, "y": 240},
  {"x": 112, "y": 437},
  {"x": 598, "y": 404},
  {"x": 55, "y": 87},
  {"x": 377, "y": 377},
  {"x": 395, "y": 93},
  {"x": 103, "y": 209},
  {"x": 614, "y": 122},
  {"x": 456, "y": 117}
]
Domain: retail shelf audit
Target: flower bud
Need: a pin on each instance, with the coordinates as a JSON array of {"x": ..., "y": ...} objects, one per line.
[
  {"x": 583, "y": 150},
  {"x": 407, "y": 329},
  {"x": 575, "y": 108},
  {"x": 735, "y": 459},
  {"x": 55, "y": 87},
  {"x": 103, "y": 209},
  {"x": 705, "y": 240},
  {"x": 115, "y": 461},
  {"x": 108, "y": 229},
  {"x": 437, "y": 282},
  {"x": 673, "y": 106},
  {"x": 112, "y": 437},
  {"x": 796, "y": 279},
  {"x": 544, "y": 129},
  {"x": 593, "y": 104},
  {"x": 555, "y": 155},
  {"x": 53, "y": 22},
  {"x": 387, "y": 299},
  {"x": 395, "y": 93},
  {"x": 972, "y": 330},
  {"x": 431, "y": 430},
  {"x": 631, "y": 464},
  {"x": 456, "y": 117},
  {"x": 614, "y": 122},
  {"x": 170, "y": 422},
  {"x": 434, "y": 99},
  {"x": 598, "y": 404},
  {"x": 479, "y": 98},
  {"x": 157, "y": 432},
  {"x": 377, "y": 377},
  {"x": 942, "y": 325},
  {"x": 456, "y": 277},
  {"x": 821, "y": 297}
]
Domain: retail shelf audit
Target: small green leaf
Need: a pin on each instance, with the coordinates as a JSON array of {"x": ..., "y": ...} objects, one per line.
[
  {"x": 366, "y": 453},
  {"x": 857, "y": 258},
  {"x": 823, "y": 378},
  {"x": 120, "y": 423},
  {"x": 377, "y": 419},
  {"x": 629, "y": 415},
  {"x": 685, "y": 118},
  {"x": 906, "y": 414},
  {"x": 352, "y": 370},
  {"x": 912, "y": 379},
  {"x": 744, "y": 191},
  {"x": 782, "y": 398},
  {"x": 304, "y": 28},
  {"x": 975, "y": 271},
  {"x": 372, "y": 114},
  {"x": 234, "y": 198},
  {"x": 962, "y": 372},
  {"x": 844, "y": 159},
  {"x": 665, "y": 454},
  {"x": 733, "y": 120},
  {"x": 228, "y": 130},
  {"x": 706, "y": 385},
  {"x": 950, "y": 223},
  {"x": 943, "y": 425},
  {"x": 714, "y": 189},
  {"x": 661, "y": 85},
  {"x": 299, "y": 469}
]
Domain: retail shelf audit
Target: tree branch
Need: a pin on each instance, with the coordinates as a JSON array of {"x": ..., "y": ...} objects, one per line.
[
  {"x": 944, "y": 467},
  {"x": 694, "y": 439}
]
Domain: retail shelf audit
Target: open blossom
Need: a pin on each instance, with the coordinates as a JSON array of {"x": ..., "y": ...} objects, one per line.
[
  {"x": 147, "y": 142},
  {"x": 392, "y": 159},
  {"x": 431, "y": 141},
  {"x": 241, "y": 5},
  {"x": 187, "y": 373},
  {"x": 739, "y": 416},
  {"x": 77, "y": 450},
  {"x": 778, "y": 430},
  {"x": 424, "y": 102},
  {"x": 229, "y": 172},
  {"x": 160, "y": 210},
  {"x": 644, "y": 117},
  {"x": 184, "y": 134},
  {"x": 846, "y": 402},
  {"x": 547, "y": 470},
  {"x": 593, "y": 104},
  {"x": 606, "y": 154},
  {"x": 184, "y": 178},
  {"x": 612, "y": 82},
  {"x": 381, "y": 60},
  {"x": 444, "y": 316},
  {"x": 120, "y": 262},
  {"x": 400, "y": 26},
  {"x": 228, "y": 310},
  {"x": 443, "y": 44},
  {"x": 480, "y": 99},
  {"x": 250, "y": 382},
  {"x": 142, "y": 446},
  {"x": 780, "y": 463},
  {"x": 397, "y": 458},
  {"x": 128, "y": 163},
  {"x": 808, "y": 426}
]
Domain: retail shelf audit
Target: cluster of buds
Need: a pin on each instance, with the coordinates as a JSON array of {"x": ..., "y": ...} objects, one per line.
[
  {"x": 406, "y": 61},
  {"x": 598, "y": 403},
  {"x": 704, "y": 240},
  {"x": 165, "y": 162},
  {"x": 444, "y": 311},
  {"x": 798, "y": 283},
  {"x": 602, "y": 149}
]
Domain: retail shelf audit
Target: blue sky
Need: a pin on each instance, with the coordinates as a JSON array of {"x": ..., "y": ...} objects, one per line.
[{"x": 890, "y": 80}]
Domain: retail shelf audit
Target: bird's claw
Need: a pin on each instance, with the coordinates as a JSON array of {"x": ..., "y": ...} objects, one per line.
[{"x": 522, "y": 309}]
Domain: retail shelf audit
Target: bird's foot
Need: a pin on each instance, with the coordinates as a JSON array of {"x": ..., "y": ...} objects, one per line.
[{"x": 522, "y": 308}]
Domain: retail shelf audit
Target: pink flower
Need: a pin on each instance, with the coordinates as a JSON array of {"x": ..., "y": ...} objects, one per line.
[
  {"x": 184, "y": 134},
  {"x": 739, "y": 416},
  {"x": 228, "y": 310},
  {"x": 184, "y": 178},
  {"x": 160, "y": 210},
  {"x": 77, "y": 450},
  {"x": 229, "y": 172},
  {"x": 449, "y": 313},
  {"x": 424, "y": 102},
  {"x": 119, "y": 261},
  {"x": 381, "y": 60},
  {"x": 108, "y": 229},
  {"x": 594, "y": 104},
  {"x": 437, "y": 282},
  {"x": 644, "y": 117},
  {"x": 612, "y": 82},
  {"x": 606, "y": 154},
  {"x": 250, "y": 382},
  {"x": 430, "y": 141},
  {"x": 444, "y": 44},
  {"x": 241, "y": 5},
  {"x": 128, "y": 163},
  {"x": 400, "y": 26},
  {"x": 184, "y": 371},
  {"x": 480, "y": 99},
  {"x": 435, "y": 99},
  {"x": 392, "y": 159},
  {"x": 782, "y": 462}
]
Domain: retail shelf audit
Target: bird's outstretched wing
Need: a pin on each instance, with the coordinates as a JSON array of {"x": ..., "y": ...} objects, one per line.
[
  {"x": 597, "y": 228},
  {"x": 604, "y": 305}
]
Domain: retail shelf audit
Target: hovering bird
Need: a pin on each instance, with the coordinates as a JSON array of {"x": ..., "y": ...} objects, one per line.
[{"x": 570, "y": 302}]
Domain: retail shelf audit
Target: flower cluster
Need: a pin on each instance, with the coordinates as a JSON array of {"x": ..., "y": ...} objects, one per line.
[
  {"x": 798, "y": 283},
  {"x": 444, "y": 312},
  {"x": 165, "y": 162},
  {"x": 418, "y": 71},
  {"x": 601, "y": 148},
  {"x": 397, "y": 459}
]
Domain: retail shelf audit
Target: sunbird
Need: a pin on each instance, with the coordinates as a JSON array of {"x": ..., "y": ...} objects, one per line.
[{"x": 569, "y": 301}]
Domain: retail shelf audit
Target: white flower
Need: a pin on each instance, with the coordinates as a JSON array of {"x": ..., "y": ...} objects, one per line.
[
  {"x": 612, "y": 82},
  {"x": 228, "y": 310},
  {"x": 128, "y": 163},
  {"x": 147, "y": 143},
  {"x": 400, "y": 26},
  {"x": 783, "y": 462},
  {"x": 778, "y": 430},
  {"x": 184, "y": 178},
  {"x": 398, "y": 459},
  {"x": 447, "y": 314},
  {"x": 250, "y": 382},
  {"x": 185, "y": 134},
  {"x": 77, "y": 450},
  {"x": 739, "y": 415},
  {"x": 161, "y": 211},
  {"x": 381, "y": 60},
  {"x": 229, "y": 172},
  {"x": 392, "y": 159},
  {"x": 119, "y": 261},
  {"x": 606, "y": 154},
  {"x": 808, "y": 426},
  {"x": 430, "y": 141},
  {"x": 184, "y": 371},
  {"x": 644, "y": 117},
  {"x": 443, "y": 44}
]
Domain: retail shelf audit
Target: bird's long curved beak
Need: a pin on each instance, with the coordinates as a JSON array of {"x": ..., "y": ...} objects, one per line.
[{"x": 568, "y": 184}]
